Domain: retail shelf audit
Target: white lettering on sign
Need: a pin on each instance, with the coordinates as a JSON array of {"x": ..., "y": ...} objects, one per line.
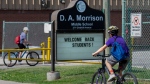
[
  {"x": 76, "y": 24},
  {"x": 82, "y": 18},
  {"x": 80, "y": 21},
  {"x": 70, "y": 18},
  {"x": 62, "y": 18},
  {"x": 87, "y": 24},
  {"x": 81, "y": 24},
  {"x": 89, "y": 18}
]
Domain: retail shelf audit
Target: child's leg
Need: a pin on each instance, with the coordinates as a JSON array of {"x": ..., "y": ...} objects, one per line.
[
  {"x": 19, "y": 54},
  {"x": 122, "y": 66},
  {"x": 120, "y": 73},
  {"x": 110, "y": 62},
  {"x": 109, "y": 67}
]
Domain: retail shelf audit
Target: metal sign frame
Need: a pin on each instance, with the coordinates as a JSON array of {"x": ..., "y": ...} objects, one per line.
[{"x": 136, "y": 25}]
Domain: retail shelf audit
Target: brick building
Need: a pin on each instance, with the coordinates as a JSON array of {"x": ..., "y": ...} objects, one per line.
[{"x": 34, "y": 10}]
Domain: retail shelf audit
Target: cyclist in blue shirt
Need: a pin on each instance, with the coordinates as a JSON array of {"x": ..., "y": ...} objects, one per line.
[
  {"x": 111, "y": 61},
  {"x": 23, "y": 40}
]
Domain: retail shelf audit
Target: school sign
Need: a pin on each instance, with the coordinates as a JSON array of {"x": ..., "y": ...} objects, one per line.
[
  {"x": 80, "y": 16},
  {"x": 80, "y": 31}
]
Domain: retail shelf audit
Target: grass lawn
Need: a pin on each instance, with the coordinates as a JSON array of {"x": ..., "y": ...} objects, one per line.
[
  {"x": 69, "y": 74},
  {"x": 141, "y": 73}
]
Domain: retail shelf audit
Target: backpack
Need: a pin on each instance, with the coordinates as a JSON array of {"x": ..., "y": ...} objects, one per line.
[
  {"x": 117, "y": 51},
  {"x": 17, "y": 39}
]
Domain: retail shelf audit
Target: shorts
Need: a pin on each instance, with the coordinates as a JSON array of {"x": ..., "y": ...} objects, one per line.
[
  {"x": 122, "y": 64},
  {"x": 21, "y": 46}
]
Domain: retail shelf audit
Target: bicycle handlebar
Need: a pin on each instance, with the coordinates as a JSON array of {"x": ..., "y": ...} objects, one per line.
[
  {"x": 28, "y": 44},
  {"x": 108, "y": 55}
]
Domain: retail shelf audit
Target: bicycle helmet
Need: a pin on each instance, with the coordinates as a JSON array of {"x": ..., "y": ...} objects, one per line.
[
  {"x": 113, "y": 30},
  {"x": 25, "y": 29}
]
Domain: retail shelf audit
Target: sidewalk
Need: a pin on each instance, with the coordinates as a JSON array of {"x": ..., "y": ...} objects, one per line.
[{"x": 10, "y": 82}]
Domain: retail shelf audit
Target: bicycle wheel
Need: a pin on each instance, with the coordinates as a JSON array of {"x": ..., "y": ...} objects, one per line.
[
  {"x": 7, "y": 62},
  {"x": 129, "y": 78},
  {"x": 32, "y": 55},
  {"x": 98, "y": 78}
]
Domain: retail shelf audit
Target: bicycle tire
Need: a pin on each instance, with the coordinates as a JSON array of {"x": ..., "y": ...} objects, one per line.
[
  {"x": 32, "y": 55},
  {"x": 126, "y": 80},
  {"x": 98, "y": 78},
  {"x": 9, "y": 63}
]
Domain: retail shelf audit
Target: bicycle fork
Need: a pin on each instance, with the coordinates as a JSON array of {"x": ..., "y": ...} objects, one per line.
[{"x": 101, "y": 70}]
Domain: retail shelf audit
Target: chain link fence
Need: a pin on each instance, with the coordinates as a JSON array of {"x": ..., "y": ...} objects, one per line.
[
  {"x": 35, "y": 35},
  {"x": 140, "y": 46}
]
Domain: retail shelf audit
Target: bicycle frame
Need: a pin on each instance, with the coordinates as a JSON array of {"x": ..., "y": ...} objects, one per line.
[
  {"x": 23, "y": 53},
  {"x": 99, "y": 76},
  {"x": 105, "y": 69}
]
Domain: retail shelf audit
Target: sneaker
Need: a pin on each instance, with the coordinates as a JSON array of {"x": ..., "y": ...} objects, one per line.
[
  {"x": 111, "y": 77},
  {"x": 19, "y": 63},
  {"x": 9, "y": 65}
]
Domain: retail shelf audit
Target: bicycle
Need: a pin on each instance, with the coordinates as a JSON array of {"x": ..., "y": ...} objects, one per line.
[
  {"x": 99, "y": 76},
  {"x": 29, "y": 55}
]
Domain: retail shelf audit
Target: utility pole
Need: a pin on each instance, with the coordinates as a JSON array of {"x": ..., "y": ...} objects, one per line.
[{"x": 106, "y": 9}]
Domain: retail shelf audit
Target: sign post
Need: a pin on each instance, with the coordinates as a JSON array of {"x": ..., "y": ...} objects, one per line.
[{"x": 136, "y": 24}]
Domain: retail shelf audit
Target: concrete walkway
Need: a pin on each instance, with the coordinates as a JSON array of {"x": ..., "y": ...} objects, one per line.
[{"x": 10, "y": 82}]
